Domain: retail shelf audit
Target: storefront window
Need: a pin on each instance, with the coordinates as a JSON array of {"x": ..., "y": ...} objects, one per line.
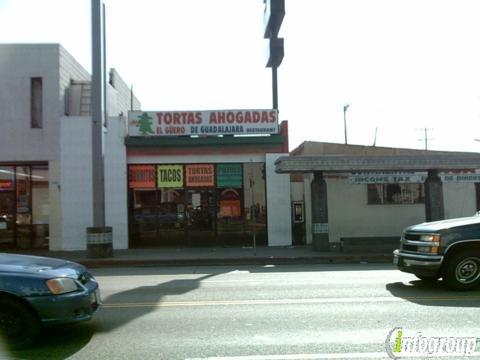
[
  {"x": 24, "y": 206},
  {"x": 7, "y": 205},
  {"x": 395, "y": 194},
  {"x": 197, "y": 204},
  {"x": 24, "y": 211},
  {"x": 255, "y": 201}
]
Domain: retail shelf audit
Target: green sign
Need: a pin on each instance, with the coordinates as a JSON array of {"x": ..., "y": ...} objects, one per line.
[{"x": 229, "y": 175}]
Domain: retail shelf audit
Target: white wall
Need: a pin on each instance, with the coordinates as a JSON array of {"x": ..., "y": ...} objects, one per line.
[
  {"x": 76, "y": 181},
  {"x": 459, "y": 199},
  {"x": 349, "y": 214},
  {"x": 17, "y": 66},
  {"x": 116, "y": 198},
  {"x": 279, "y": 215}
]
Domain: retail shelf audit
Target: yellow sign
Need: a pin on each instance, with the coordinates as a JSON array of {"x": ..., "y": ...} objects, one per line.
[{"x": 170, "y": 176}]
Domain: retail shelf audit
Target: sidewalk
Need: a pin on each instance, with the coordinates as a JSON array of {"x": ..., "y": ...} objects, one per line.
[{"x": 215, "y": 256}]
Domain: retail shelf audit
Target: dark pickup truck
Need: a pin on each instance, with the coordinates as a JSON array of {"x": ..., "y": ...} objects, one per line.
[{"x": 448, "y": 249}]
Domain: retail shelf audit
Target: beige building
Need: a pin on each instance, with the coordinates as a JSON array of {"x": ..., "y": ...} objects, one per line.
[{"x": 373, "y": 193}]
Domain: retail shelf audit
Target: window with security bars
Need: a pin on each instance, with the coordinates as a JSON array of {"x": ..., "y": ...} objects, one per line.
[{"x": 397, "y": 194}]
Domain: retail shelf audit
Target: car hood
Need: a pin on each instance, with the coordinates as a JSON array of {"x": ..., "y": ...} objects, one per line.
[
  {"x": 38, "y": 265},
  {"x": 445, "y": 224}
]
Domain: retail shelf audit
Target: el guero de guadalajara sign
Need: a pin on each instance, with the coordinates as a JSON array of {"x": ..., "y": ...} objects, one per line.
[{"x": 214, "y": 122}]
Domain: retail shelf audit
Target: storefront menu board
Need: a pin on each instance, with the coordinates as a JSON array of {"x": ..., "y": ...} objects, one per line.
[
  {"x": 181, "y": 123},
  {"x": 200, "y": 175}
]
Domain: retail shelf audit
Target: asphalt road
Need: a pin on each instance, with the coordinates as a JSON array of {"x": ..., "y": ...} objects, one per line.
[{"x": 257, "y": 312}]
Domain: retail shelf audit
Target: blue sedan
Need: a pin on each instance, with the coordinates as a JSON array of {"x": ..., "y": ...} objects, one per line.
[{"x": 39, "y": 291}]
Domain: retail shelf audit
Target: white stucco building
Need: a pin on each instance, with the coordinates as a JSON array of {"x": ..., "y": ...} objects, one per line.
[
  {"x": 46, "y": 167},
  {"x": 45, "y": 148}
]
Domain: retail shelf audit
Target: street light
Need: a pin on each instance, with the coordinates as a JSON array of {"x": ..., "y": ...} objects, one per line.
[{"x": 345, "y": 108}]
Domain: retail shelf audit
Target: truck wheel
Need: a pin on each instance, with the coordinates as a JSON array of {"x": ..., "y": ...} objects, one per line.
[
  {"x": 19, "y": 326},
  {"x": 462, "y": 271}
]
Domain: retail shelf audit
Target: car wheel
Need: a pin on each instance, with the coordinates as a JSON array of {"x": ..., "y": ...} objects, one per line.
[
  {"x": 462, "y": 271},
  {"x": 19, "y": 326},
  {"x": 427, "y": 278}
]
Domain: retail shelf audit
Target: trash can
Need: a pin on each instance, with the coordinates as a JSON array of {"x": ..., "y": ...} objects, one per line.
[{"x": 99, "y": 242}]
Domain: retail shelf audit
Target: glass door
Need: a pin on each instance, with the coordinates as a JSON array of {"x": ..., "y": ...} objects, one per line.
[
  {"x": 7, "y": 206},
  {"x": 200, "y": 214},
  {"x": 158, "y": 217},
  {"x": 7, "y": 218}
]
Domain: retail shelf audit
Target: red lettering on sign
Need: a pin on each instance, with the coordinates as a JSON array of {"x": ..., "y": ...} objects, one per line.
[
  {"x": 273, "y": 116},
  {"x": 198, "y": 117}
]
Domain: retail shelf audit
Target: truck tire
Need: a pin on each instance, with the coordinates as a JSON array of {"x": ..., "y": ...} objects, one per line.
[
  {"x": 462, "y": 271},
  {"x": 19, "y": 325}
]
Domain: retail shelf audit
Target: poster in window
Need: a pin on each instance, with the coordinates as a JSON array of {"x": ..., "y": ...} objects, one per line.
[
  {"x": 200, "y": 175},
  {"x": 229, "y": 176},
  {"x": 141, "y": 176},
  {"x": 170, "y": 176},
  {"x": 229, "y": 203}
]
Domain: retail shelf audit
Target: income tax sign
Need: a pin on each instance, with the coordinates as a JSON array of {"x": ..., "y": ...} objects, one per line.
[{"x": 217, "y": 122}]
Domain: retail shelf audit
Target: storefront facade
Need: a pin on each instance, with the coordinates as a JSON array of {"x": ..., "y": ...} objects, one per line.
[
  {"x": 196, "y": 204},
  {"x": 208, "y": 190},
  {"x": 362, "y": 197}
]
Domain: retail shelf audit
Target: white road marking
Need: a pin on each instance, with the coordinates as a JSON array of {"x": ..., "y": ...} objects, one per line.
[{"x": 371, "y": 355}]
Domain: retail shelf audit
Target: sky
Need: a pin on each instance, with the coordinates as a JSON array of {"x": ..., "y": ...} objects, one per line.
[{"x": 403, "y": 65}]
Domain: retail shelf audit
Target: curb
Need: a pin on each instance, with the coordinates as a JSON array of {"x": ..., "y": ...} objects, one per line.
[{"x": 270, "y": 260}]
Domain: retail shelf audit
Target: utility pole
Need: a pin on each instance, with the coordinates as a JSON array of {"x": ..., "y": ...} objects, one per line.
[
  {"x": 425, "y": 137},
  {"x": 345, "y": 108},
  {"x": 99, "y": 236}
]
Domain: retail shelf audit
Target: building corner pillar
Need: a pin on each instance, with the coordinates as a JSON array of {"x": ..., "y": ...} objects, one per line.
[
  {"x": 320, "y": 239},
  {"x": 434, "y": 206}
]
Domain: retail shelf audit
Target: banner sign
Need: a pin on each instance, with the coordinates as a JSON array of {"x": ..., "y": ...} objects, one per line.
[
  {"x": 200, "y": 175},
  {"x": 170, "y": 176},
  {"x": 224, "y": 122},
  {"x": 461, "y": 178},
  {"x": 229, "y": 175},
  {"x": 399, "y": 177},
  {"x": 141, "y": 176},
  {"x": 385, "y": 177}
]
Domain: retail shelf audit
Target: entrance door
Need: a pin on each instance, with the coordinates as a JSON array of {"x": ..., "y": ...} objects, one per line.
[
  {"x": 158, "y": 218},
  {"x": 200, "y": 217},
  {"x": 7, "y": 218}
]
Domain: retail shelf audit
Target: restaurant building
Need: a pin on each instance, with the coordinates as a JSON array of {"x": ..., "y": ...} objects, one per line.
[{"x": 205, "y": 178}]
